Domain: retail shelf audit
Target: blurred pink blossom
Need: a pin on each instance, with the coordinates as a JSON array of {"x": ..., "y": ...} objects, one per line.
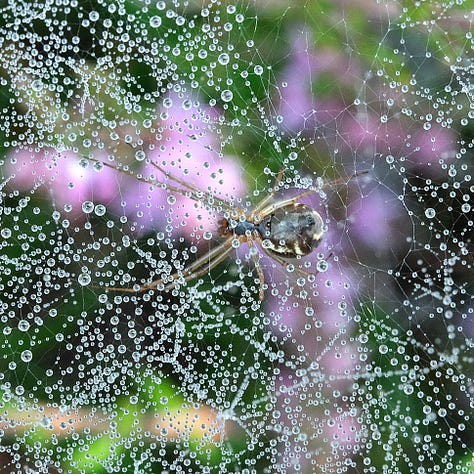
[
  {"x": 190, "y": 151},
  {"x": 374, "y": 219},
  {"x": 60, "y": 175},
  {"x": 432, "y": 146},
  {"x": 301, "y": 109}
]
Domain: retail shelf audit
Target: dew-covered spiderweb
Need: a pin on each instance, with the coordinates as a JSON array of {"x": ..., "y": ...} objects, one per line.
[{"x": 153, "y": 320}]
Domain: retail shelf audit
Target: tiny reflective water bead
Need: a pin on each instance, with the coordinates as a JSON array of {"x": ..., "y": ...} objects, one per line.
[
  {"x": 84, "y": 279},
  {"x": 87, "y": 206},
  {"x": 322, "y": 266},
  {"x": 292, "y": 231}
]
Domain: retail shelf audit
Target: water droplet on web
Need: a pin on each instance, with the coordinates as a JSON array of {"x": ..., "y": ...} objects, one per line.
[
  {"x": 168, "y": 103},
  {"x": 227, "y": 95},
  {"x": 430, "y": 213},
  {"x": 23, "y": 325},
  {"x": 155, "y": 21},
  {"x": 87, "y": 206},
  {"x": 37, "y": 85},
  {"x": 84, "y": 279},
  {"x": 6, "y": 233},
  {"x": 100, "y": 210},
  {"x": 322, "y": 266},
  {"x": 140, "y": 155},
  {"x": 26, "y": 356},
  {"x": 223, "y": 59}
]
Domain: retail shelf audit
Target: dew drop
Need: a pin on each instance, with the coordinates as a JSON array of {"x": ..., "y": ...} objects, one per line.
[
  {"x": 26, "y": 356},
  {"x": 84, "y": 279},
  {"x": 23, "y": 325},
  {"x": 155, "y": 21},
  {"x": 100, "y": 210},
  {"x": 87, "y": 207},
  {"x": 322, "y": 266},
  {"x": 37, "y": 85},
  {"x": 6, "y": 233},
  {"x": 140, "y": 155},
  {"x": 227, "y": 95},
  {"x": 383, "y": 349},
  {"x": 223, "y": 59}
]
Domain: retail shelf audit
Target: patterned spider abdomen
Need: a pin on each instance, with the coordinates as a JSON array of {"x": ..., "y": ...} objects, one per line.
[{"x": 292, "y": 231}]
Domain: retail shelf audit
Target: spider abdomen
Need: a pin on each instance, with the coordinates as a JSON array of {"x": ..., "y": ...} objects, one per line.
[{"x": 292, "y": 231}]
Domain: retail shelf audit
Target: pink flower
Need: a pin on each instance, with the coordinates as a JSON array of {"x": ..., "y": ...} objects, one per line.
[
  {"x": 299, "y": 106},
  {"x": 190, "y": 151},
  {"x": 374, "y": 220},
  {"x": 61, "y": 175},
  {"x": 433, "y": 146}
]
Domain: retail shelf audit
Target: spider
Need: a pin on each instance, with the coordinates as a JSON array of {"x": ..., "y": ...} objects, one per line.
[{"x": 284, "y": 229}]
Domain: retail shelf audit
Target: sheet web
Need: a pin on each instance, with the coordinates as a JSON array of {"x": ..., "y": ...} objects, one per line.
[{"x": 129, "y": 131}]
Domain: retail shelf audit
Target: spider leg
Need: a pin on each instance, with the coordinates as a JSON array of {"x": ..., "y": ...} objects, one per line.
[
  {"x": 189, "y": 192},
  {"x": 152, "y": 182},
  {"x": 343, "y": 179},
  {"x": 199, "y": 267},
  {"x": 286, "y": 202},
  {"x": 203, "y": 264},
  {"x": 267, "y": 198},
  {"x": 261, "y": 275},
  {"x": 194, "y": 190}
]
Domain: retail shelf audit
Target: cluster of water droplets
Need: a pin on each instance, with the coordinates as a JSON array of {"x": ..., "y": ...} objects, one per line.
[{"x": 129, "y": 130}]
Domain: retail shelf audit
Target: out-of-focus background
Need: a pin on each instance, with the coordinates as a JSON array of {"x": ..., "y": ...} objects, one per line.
[{"x": 128, "y": 130}]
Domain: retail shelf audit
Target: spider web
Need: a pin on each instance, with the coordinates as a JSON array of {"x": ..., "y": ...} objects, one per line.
[{"x": 129, "y": 129}]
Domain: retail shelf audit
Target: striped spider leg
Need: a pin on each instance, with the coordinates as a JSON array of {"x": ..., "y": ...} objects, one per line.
[
  {"x": 284, "y": 229},
  {"x": 204, "y": 263}
]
